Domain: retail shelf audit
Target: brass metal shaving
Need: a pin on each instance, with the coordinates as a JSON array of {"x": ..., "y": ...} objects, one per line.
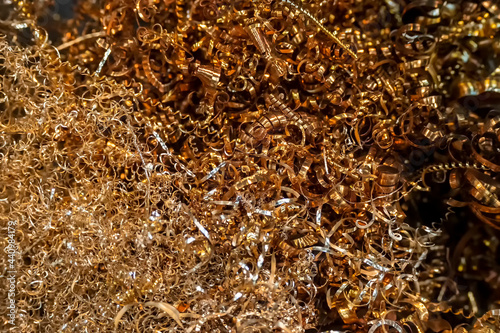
[{"x": 250, "y": 166}]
